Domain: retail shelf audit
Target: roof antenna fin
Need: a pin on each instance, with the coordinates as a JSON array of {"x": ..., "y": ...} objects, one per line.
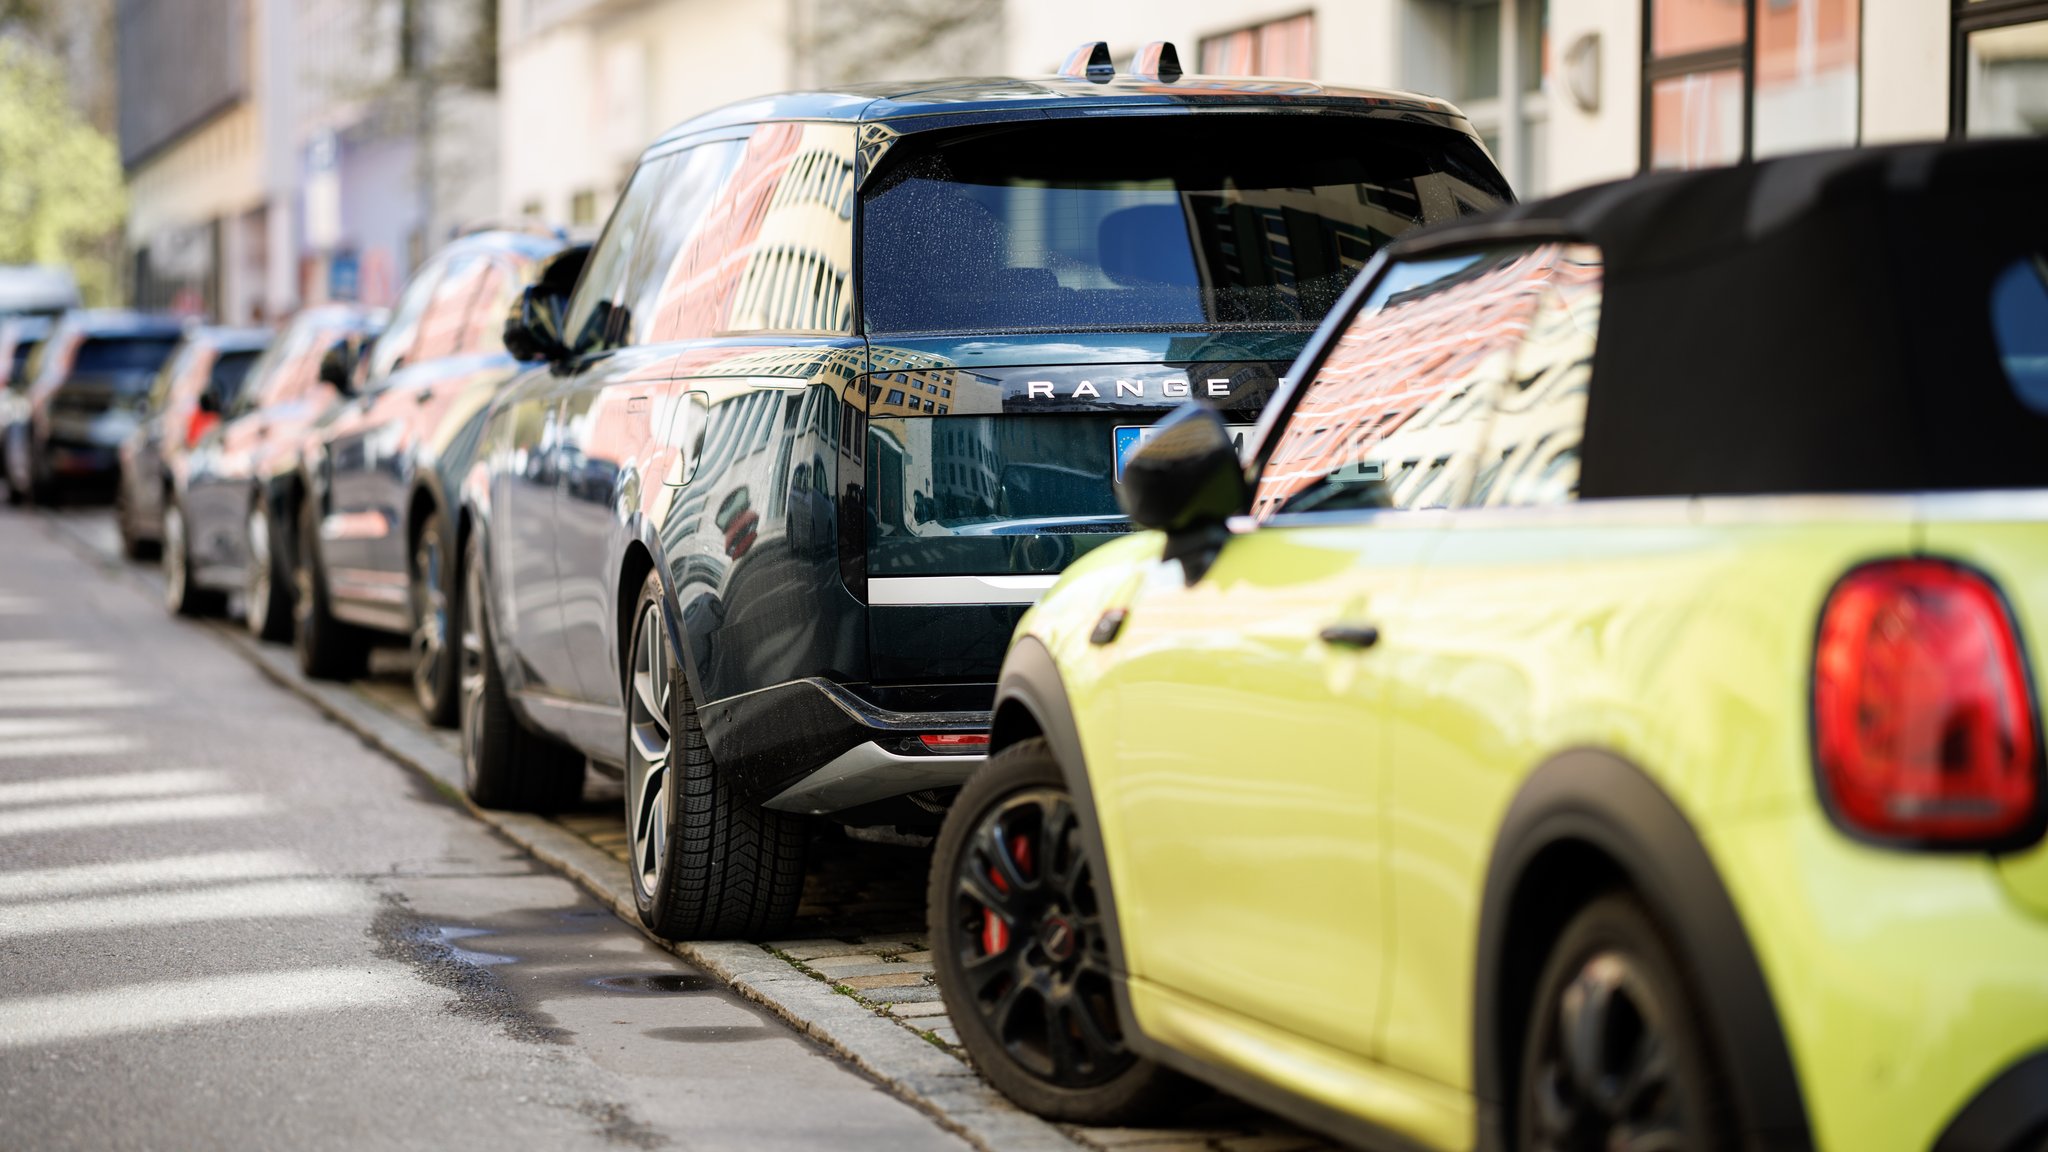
[
  {"x": 1090, "y": 60},
  {"x": 1156, "y": 61}
]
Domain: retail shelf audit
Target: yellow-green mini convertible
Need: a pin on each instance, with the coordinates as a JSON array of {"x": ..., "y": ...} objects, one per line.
[{"x": 1597, "y": 711}]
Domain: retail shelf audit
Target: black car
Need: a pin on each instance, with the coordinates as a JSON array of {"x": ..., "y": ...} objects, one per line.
[
  {"x": 845, "y": 384},
  {"x": 200, "y": 381},
  {"x": 88, "y": 387},
  {"x": 375, "y": 523},
  {"x": 20, "y": 334}
]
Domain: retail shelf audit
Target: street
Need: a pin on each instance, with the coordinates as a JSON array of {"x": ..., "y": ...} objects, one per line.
[{"x": 226, "y": 922}]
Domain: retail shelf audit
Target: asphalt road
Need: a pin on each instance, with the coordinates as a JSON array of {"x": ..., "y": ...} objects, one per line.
[{"x": 226, "y": 923}]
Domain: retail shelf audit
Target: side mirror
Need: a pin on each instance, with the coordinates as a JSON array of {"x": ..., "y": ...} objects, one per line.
[
  {"x": 338, "y": 366},
  {"x": 533, "y": 326},
  {"x": 209, "y": 401},
  {"x": 1187, "y": 481}
]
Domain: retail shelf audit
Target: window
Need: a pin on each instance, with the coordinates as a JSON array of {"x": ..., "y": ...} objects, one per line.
[
  {"x": 396, "y": 343},
  {"x": 1458, "y": 53},
  {"x": 591, "y": 323},
  {"x": 674, "y": 231},
  {"x": 447, "y": 315},
  {"x": 1275, "y": 48},
  {"x": 1730, "y": 80},
  {"x": 1191, "y": 222},
  {"x": 2019, "y": 321},
  {"x": 2001, "y": 68},
  {"x": 1461, "y": 380}
]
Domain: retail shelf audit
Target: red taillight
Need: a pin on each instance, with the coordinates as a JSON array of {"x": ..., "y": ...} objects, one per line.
[
  {"x": 1922, "y": 722},
  {"x": 955, "y": 741}
]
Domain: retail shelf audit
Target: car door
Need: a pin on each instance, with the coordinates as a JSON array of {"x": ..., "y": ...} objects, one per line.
[
  {"x": 355, "y": 528},
  {"x": 1249, "y": 797},
  {"x": 550, "y": 477}
]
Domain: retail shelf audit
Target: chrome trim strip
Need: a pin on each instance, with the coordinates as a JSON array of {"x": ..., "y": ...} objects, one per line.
[
  {"x": 920, "y": 591},
  {"x": 868, "y": 772}
]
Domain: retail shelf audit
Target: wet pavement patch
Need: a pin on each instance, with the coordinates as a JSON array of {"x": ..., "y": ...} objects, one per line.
[
  {"x": 432, "y": 951},
  {"x": 666, "y": 982},
  {"x": 715, "y": 1033},
  {"x": 616, "y": 1123}
]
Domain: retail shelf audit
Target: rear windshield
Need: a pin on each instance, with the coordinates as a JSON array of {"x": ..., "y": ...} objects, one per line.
[
  {"x": 128, "y": 361},
  {"x": 229, "y": 370},
  {"x": 1156, "y": 222}
]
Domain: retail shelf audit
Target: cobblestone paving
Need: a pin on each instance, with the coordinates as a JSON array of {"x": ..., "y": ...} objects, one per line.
[{"x": 861, "y": 928}]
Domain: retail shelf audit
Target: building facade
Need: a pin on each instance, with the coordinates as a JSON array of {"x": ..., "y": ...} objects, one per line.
[{"x": 287, "y": 152}]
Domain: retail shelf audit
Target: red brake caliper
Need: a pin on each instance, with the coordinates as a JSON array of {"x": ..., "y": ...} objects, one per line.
[{"x": 995, "y": 931}]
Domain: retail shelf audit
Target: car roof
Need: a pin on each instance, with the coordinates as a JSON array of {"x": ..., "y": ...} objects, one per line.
[
  {"x": 897, "y": 100},
  {"x": 122, "y": 322},
  {"x": 1672, "y": 219},
  {"x": 230, "y": 338},
  {"x": 529, "y": 244}
]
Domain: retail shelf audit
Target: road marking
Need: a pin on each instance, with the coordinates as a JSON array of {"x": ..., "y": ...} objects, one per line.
[
  {"x": 120, "y": 785},
  {"x": 39, "y": 692},
  {"x": 44, "y": 883},
  {"x": 48, "y": 656},
  {"x": 256, "y": 901},
  {"x": 37, "y": 1020},
  {"x": 125, "y": 812},
  {"x": 69, "y": 746}
]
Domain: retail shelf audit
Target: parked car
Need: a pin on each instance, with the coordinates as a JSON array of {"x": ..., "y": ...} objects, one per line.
[
  {"x": 89, "y": 381},
  {"x": 750, "y": 533},
  {"x": 36, "y": 290},
  {"x": 376, "y": 524},
  {"x": 229, "y": 517},
  {"x": 1597, "y": 714},
  {"x": 20, "y": 335},
  {"x": 199, "y": 382}
]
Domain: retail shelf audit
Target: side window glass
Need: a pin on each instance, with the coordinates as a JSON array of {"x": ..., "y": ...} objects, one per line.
[
  {"x": 2019, "y": 322},
  {"x": 447, "y": 316},
  {"x": 167, "y": 376},
  {"x": 395, "y": 346},
  {"x": 1396, "y": 415},
  {"x": 1539, "y": 418},
  {"x": 676, "y": 234},
  {"x": 773, "y": 250},
  {"x": 591, "y": 324},
  {"x": 499, "y": 283}
]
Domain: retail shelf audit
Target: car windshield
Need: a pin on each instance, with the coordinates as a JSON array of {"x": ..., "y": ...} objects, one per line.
[
  {"x": 129, "y": 362},
  {"x": 1155, "y": 222}
]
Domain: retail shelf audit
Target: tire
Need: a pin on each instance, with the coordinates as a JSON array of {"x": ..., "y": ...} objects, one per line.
[
  {"x": 503, "y": 764},
  {"x": 436, "y": 609},
  {"x": 181, "y": 594},
  {"x": 132, "y": 546},
  {"x": 1023, "y": 961},
  {"x": 1611, "y": 992},
  {"x": 705, "y": 863},
  {"x": 328, "y": 649},
  {"x": 266, "y": 599}
]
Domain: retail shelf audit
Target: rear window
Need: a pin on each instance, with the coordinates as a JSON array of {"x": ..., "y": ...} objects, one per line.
[
  {"x": 129, "y": 361},
  {"x": 1193, "y": 221},
  {"x": 2019, "y": 322}
]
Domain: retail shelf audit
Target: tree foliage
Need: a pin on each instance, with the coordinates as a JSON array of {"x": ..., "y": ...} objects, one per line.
[{"x": 60, "y": 178}]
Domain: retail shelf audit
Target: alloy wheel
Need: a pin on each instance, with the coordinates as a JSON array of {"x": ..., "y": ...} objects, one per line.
[
  {"x": 256, "y": 611},
  {"x": 174, "y": 558},
  {"x": 473, "y": 656},
  {"x": 1033, "y": 954},
  {"x": 430, "y": 617},
  {"x": 1605, "y": 1078},
  {"x": 649, "y": 743}
]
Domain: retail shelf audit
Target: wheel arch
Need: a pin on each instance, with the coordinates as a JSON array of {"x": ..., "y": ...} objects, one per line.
[{"x": 1584, "y": 822}]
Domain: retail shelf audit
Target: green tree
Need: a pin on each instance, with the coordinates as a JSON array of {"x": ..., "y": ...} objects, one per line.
[{"x": 60, "y": 178}]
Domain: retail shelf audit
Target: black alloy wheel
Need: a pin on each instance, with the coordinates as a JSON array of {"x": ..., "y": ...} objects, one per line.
[
  {"x": 503, "y": 764},
  {"x": 266, "y": 599},
  {"x": 705, "y": 863},
  {"x": 436, "y": 666},
  {"x": 328, "y": 649},
  {"x": 182, "y": 595},
  {"x": 1022, "y": 949},
  {"x": 1614, "y": 1058}
]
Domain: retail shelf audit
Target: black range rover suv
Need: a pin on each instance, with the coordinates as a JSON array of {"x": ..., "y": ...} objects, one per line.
[{"x": 843, "y": 386}]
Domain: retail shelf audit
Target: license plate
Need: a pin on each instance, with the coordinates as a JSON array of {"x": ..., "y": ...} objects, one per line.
[{"x": 1128, "y": 437}]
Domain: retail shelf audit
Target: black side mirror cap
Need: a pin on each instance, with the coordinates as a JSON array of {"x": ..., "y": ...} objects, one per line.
[
  {"x": 209, "y": 401},
  {"x": 338, "y": 366},
  {"x": 1187, "y": 478},
  {"x": 533, "y": 325}
]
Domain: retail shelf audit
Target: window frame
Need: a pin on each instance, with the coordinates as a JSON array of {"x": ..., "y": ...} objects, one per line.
[
  {"x": 1972, "y": 16},
  {"x": 1742, "y": 58},
  {"x": 1279, "y": 410},
  {"x": 1255, "y": 27}
]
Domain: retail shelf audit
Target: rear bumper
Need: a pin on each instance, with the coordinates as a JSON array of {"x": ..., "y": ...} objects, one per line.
[
  {"x": 2009, "y": 1115},
  {"x": 813, "y": 746}
]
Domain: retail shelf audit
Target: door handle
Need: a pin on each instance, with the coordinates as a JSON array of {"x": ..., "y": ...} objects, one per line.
[
  {"x": 423, "y": 395},
  {"x": 1350, "y": 635}
]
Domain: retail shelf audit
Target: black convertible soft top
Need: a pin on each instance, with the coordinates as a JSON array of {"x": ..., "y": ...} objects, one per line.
[{"x": 1816, "y": 323}]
